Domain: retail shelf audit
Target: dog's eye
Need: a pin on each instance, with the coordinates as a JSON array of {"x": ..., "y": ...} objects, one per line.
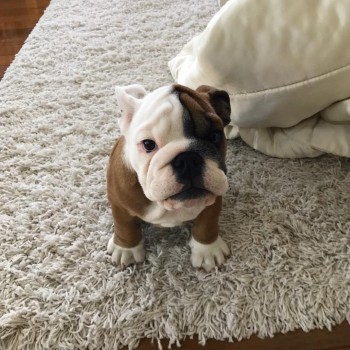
[
  {"x": 149, "y": 145},
  {"x": 216, "y": 137}
]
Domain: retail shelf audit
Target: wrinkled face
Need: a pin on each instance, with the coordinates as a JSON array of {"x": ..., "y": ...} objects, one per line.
[{"x": 175, "y": 143}]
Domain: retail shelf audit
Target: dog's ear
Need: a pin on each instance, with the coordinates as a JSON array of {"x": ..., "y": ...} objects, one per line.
[
  {"x": 129, "y": 99},
  {"x": 219, "y": 99}
]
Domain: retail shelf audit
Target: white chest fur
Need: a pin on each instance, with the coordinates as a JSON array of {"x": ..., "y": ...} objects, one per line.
[{"x": 158, "y": 215}]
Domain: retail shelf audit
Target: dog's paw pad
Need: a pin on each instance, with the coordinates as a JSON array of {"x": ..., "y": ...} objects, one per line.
[
  {"x": 207, "y": 256},
  {"x": 125, "y": 256}
]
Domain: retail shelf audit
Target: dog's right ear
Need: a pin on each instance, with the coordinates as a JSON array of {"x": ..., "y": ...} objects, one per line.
[{"x": 129, "y": 99}]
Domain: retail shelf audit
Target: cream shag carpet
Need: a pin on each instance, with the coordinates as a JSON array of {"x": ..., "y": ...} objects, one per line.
[{"x": 287, "y": 221}]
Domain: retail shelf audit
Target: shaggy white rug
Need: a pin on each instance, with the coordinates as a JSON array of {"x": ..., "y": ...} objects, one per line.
[{"x": 287, "y": 221}]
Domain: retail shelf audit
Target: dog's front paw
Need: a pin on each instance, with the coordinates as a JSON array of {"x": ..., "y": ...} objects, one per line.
[
  {"x": 126, "y": 256},
  {"x": 207, "y": 256}
]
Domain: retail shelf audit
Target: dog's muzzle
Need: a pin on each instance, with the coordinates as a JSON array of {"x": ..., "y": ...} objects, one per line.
[{"x": 188, "y": 168}]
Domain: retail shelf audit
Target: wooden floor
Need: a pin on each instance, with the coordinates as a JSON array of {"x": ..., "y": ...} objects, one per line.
[
  {"x": 338, "y": 339},
  {"x": 17, "y": 18}
]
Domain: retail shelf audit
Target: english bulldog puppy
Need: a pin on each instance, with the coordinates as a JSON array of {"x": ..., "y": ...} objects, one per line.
[{"x": 168, "y": 168}]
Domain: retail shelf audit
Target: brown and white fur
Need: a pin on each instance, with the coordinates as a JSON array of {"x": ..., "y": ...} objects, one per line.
[{"x": 181, "y": 179}]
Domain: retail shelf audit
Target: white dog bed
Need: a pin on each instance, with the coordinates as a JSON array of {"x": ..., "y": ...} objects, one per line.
[{"x": 286, "y": 67}]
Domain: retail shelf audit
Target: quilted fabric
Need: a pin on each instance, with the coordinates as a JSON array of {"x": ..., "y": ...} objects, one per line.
[{"x": 286, "y": 67}]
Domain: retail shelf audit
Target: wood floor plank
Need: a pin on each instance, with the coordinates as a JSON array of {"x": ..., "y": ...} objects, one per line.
[
  {"x": 20, "y": 13},
  {"x": 6, "y": 60},
  {"x": 11, "y": 46},
  {"x": 2, "y": 71},
  {"x": 14, "y": 23},
  {"x": 14, "y": 33},
  {"x": 22, "y": 4},
  {"x": 338, "y": 339}
]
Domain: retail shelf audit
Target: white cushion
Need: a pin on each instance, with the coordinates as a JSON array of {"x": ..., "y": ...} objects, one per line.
[{"x": 282, "y": 62}]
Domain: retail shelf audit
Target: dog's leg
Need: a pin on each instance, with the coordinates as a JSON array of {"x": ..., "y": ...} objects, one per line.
[
  {"x": 126, "y": 244},
  {"x": 207, "y": 247}
]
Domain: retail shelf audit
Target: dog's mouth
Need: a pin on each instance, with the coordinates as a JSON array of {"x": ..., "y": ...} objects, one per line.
[
  {"x": 190, "y": 198},
  {"x": 190, "y": 193}
]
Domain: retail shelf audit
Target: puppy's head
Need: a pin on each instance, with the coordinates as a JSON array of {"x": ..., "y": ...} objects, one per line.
[{"x": 175, "y": 142}]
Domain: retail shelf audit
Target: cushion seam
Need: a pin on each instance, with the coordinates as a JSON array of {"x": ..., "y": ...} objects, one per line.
[{"x": 291, "y": 86}]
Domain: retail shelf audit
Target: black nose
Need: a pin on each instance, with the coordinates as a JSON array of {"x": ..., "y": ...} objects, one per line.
[{"x": 188, "y": 166}]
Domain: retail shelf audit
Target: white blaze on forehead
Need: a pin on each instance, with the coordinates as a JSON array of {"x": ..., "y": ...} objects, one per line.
[{"x": 159, "y": 117}]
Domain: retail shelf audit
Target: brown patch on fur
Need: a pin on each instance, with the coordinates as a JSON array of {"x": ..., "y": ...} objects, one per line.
[
  {"x": 208, "y": 107},
  {"x": 126, "y": 197},
  {"x": 205, "y": 227}
]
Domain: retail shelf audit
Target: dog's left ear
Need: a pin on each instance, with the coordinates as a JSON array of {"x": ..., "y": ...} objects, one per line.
[{"x": 220, "y": 101}]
